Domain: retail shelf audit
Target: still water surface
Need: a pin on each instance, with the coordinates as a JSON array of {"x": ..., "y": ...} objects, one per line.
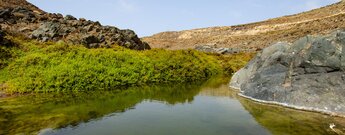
[{"x": 204, "y": 108}]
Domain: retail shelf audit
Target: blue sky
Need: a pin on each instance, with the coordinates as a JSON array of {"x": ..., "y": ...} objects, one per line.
[{"x": 147, "y": 17}]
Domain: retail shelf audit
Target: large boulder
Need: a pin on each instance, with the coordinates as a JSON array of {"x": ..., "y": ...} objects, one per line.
[
  {"x": 90, "y": 41},
  {"x": 47, "y": 31},
  {"x": 308, "y": 74}
]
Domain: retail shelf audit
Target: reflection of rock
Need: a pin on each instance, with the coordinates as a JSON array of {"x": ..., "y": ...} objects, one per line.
[
  {"x": 285, "y": 121},
  {"x": 308, "y": 74}
]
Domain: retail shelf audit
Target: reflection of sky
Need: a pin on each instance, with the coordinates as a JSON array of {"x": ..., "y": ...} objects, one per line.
[{"x": 147, "y": 17}]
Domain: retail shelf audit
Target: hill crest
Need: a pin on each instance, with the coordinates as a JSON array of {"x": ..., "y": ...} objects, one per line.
[
  {"x": 255, "y": 35},
  {"x": 19, "y": 3},
  {"x": 23, "y": 18}
]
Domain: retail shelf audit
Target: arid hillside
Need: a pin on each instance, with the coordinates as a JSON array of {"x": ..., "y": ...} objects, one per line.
[
  {"x": 19, "y": 17},
  {"x": 19, "y": 3},
  {"x": 256, "y": 35}
]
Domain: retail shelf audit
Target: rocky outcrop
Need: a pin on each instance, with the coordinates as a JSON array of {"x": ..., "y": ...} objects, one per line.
[
  {"x": 221, "y": 50},
  {"x": 308, "y": 74},
  {"x": 19, "y": 3},
  {"x": 54, "y": 27}
]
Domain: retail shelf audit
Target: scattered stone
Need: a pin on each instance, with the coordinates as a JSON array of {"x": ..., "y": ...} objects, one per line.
[
  {"x": 47, "y": 31},
  {"x": 70, "y": 17},
  {"x": 214, "y": 49},
  {"x": 82, "y": 19},
  {"x": 90, "y": 39}
]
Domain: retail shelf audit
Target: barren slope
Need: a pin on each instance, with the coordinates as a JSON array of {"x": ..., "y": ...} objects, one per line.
[
  {"x": 256, "y": 35},
  {"x": 17, "y": 3}
]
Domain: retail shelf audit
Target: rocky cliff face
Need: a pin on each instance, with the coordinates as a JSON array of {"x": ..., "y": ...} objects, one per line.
[
  {"x": 33, "y": 23},
  {"x": 255, "y": 36},
  {"x": 308, "y": 74}
]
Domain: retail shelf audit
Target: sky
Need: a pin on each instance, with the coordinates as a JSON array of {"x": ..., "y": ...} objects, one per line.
[{"x": 147, "y": 17}]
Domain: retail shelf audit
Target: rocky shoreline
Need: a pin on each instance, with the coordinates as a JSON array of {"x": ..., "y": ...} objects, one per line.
[
  {"x": 308, "y": 74},
  {"x": 308, "y": 109}
]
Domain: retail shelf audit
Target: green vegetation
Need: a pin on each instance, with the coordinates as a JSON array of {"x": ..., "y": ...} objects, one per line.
[
  {"x": 7, "y": 53},
  {"x": 233, "y": 63},
  {"x": 44, "y": 67}
]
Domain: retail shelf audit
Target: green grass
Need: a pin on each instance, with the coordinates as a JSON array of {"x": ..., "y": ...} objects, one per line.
[{"x": 60, "y": 67}]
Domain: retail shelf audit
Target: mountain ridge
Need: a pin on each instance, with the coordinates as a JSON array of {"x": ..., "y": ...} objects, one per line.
[
  {"x": 22, "y": 3},
  {"x": 255, "y": 35},
  {"x": 20, "y": 17}
]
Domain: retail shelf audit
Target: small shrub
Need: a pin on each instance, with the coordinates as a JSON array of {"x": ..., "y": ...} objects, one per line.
[{"x": 234, "y": 62}]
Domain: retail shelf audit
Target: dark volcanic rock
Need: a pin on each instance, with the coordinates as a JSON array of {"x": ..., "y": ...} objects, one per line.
[
  {"x": 47, "y": 31},
  {"x": 55, "y": 27},
  {"x": 90, "y": 41},
  {"x": 307, "y": 74},
  {"x": 19, "y": 3},
  {"x": 70, "y": 17}
]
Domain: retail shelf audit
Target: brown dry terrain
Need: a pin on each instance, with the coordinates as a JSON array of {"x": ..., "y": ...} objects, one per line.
[
  {"x": 256, "y": 35},
  {"x": 17, "y": 3}
]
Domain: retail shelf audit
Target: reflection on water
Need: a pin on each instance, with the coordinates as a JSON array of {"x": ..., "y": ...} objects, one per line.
[
  {"x": 204, "y": 108},
  {"x": 29, "y": 114},
  {"x": 284, "y": 121},
  {"x": 208, "y": 113}
]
